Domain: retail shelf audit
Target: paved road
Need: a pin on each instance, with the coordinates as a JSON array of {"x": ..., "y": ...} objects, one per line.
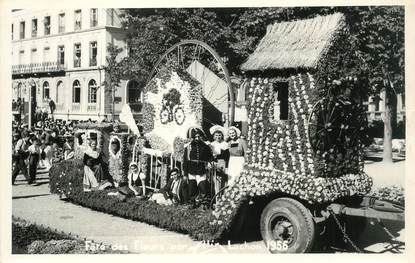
[{"x": 35, "y": 204}]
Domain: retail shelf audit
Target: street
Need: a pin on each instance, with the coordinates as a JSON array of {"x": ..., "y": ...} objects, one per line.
[{"x": 36, "y": 205}]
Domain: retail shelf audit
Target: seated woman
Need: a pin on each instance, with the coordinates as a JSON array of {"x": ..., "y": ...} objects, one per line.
[
  {"x": 174, "y": 192},
  {"x": 94, "y": 176},
  {"x": 136, "y": 182}
]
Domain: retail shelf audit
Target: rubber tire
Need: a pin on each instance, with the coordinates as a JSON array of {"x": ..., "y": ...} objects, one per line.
[{"x": 299, "y": 216}]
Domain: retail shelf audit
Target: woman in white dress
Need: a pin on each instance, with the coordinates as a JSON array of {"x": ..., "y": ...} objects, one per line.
[
  {"x": 237, "y": 150},
  {"x": 220, "y": 150}
]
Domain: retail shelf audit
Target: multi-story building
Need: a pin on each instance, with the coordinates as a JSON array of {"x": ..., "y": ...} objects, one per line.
[
  {"x": 376, "y": 107},
  {"x": 60, "y": 55}
]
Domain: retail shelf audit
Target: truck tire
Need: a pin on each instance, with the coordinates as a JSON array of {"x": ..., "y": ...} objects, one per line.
[{"x": 287, "y": 226}]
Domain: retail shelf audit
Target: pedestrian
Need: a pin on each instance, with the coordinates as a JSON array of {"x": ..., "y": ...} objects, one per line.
[
  {"x": 34, "y": 156},
  {"x": 52, "y": 107},
  {"x": 21, "y": 151},
  {"x": 237, "y": 150},
  {"x": 196, "y": 157},
  {"x": 220, "y": 150}
]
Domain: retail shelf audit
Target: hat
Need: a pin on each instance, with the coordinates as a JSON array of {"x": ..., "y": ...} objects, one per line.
[
  {"x": 133, "y": 164},
  {"x": 217, "y": 128},
  {"x": 238, "y": 131},
  {"x": 192, "y": 131}
]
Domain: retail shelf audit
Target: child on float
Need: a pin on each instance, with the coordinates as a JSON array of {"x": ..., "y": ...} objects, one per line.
[{"x": 135, "y": 182}]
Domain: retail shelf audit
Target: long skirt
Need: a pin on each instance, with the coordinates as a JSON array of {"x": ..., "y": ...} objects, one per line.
[
  {"x": 220, "y": 177},
  {"x": 90, "y": 181},
  {"x": 236, "y": 164}
]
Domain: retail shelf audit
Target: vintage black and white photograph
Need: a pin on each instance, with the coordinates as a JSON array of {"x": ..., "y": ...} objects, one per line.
[{"x": 194, "y": 130}]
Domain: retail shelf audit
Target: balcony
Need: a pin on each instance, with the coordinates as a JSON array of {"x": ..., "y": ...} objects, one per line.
[
  {"x": 38, "y": 68},
  {"x": 92, "y": 107},
  {"x": 92, "y": 62},
  {"x": 76, "y": 107}
]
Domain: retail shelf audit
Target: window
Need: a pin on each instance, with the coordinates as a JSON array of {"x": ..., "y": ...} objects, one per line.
[
  {"x": 92, "y": 91},
  {"x": 134, "y": 92},
  {"x": 61, "y": 23},
  {"x": 94, "y": 17},
  {"x": 46, "y": 23},
  {"x": 78, "y": 20},
  {"x": 60, "y": 92},
  {"x": 77, "y": 56},
  {"x": 34, "y": 27},
  {"x": 46, "y": 90},
  {"x": 93, "y": 54},
  {"x": 21, "y": 56},
  {"x": 134, "y": 96},
  {"x": 46, "y": 54},
  {"x": 61, "y": 55},
  {"x": 22, "y": 30},
  {"x": 34, "y": 56},
  {"x": 76, "y": 92},
  {"x": 279, "y": 109}
]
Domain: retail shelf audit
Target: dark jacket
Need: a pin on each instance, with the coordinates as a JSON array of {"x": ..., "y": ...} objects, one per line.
[
  {"x": 195, "y": 157},
  {"x": 183, "y": 196}
]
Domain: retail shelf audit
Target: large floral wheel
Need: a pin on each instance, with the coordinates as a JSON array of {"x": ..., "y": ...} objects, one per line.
[
  {"x": 206, "y": 66},
  {"x": 334, "y": 124}
]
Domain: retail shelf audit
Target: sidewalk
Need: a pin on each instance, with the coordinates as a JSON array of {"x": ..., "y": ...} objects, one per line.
[{"x": 36, "y": 205}]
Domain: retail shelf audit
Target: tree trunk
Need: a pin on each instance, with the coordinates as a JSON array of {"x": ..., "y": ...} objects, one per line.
[{"x": 387, "y": 137}]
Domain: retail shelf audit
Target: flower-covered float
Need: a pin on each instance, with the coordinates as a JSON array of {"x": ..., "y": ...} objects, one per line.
[{"x": 305, "y": 129}]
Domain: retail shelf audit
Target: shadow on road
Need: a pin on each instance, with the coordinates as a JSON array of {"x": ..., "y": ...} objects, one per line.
[{"x": 28, "y": 196}]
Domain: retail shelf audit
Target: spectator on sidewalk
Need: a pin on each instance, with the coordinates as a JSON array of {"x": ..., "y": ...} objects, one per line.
[
  {"x": 21, "y": 151},
  {"x": 34, "y": 156}
]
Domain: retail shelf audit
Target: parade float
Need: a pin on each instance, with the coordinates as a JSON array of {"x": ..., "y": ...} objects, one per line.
[{"x": 305, "y": 138}]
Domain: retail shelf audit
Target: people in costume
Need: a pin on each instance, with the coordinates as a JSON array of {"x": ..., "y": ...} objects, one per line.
[
  {"x": 220, "y": 150},
  {"x": 196, "y": 157},
  {"x": 237, "y": 150},
  {"x": 174, "y": 192},
  {"x": 94, "y": 177}
]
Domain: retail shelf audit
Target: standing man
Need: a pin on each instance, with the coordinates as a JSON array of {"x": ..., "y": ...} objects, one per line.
[
  {"x": 21, "y": 151},
  {"x": 52, "y": 107},
  {"x": 196, "y": 158}
]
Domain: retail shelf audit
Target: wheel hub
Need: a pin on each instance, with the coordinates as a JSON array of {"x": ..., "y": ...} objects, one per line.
[{"x": 283, "y": 230}]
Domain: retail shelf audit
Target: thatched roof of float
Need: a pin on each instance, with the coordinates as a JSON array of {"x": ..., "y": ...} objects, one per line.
[{"x": 297, "y": 44}]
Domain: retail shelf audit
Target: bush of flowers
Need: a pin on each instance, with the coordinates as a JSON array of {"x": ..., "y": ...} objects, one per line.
[
  {"x": 66, "y": 179},
  {"x": 394, "y": 194},
  {"x": 28, "y": 238}
]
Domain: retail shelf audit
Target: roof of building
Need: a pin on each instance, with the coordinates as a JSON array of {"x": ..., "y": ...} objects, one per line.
[{"x": 296, "y": 44}]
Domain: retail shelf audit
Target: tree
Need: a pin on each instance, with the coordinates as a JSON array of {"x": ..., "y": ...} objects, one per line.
[
  {"x": 379, "y": 36},
  {"x": 376, "y": 33}
]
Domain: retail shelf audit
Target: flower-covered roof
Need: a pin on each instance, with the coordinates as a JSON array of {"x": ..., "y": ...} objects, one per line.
[{"x": 296, "y": 44}]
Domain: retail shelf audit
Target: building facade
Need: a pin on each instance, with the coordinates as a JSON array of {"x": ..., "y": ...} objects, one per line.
[
  {"x": 376, "y": 107},
  {"x": 60, "y": 55}
]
